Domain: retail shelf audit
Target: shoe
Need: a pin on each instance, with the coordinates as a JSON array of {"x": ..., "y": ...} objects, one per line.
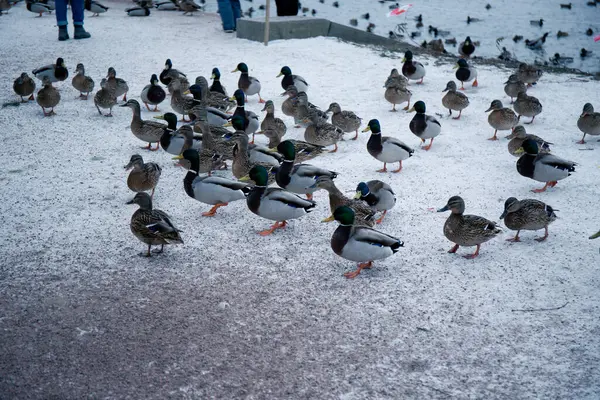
[
  {"x": 80, "y": 33},
  {"x": 229, "y": 30},
  {"x": 63, "y": 34}
]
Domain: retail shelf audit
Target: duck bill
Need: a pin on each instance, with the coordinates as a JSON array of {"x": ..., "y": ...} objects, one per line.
[
  {"x": 228, "y": 124},
  {"x": 123, "y": 105},
  {"x": 358, "y": 195},
  {"x": 128, "y": 166},
  {"x": 445, "y": 208},
  {"x": 455, "y": 66},
  {"x": 367, "y": 129},
  {"x": 130, "y": 201},
  {"x": 232, "y": 98},
  {"x": 264, "y": 108},
  {"x": 244, "y": 179},
  {"x": 161, "y": 117},
  {"x": 595, "y": 235},
  {"x": 280, "y": 74},
  {"x": 412, "y": 109},
  {"x": 489, "y": 109},
  {"x": 329, "y": 219},
  {"x": 213, "y": 76},
  {"x": 520, "y": 151},
  {"x": 235, "y": 70},
  {"x": 187, "y": 92},
  {"x": 503, "y": 215},
  {"x": 404, "y": 59}
]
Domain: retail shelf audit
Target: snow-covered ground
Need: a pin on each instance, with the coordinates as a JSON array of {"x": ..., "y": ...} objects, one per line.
[{"x": 231, "y": 314}]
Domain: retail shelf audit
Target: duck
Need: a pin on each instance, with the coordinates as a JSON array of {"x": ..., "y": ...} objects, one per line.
[
  {"x": 529, "y": 74},
  {"x": 298, "y": 178},
  {"x": 465, "y": 73},
  {"x": 251, "y": 122},
  {"x": 291, "y": 79},
  {"x": 143, "y": 176},
  {"x": 213, "y": 99},
  {"x": 542, "y": 167},
  {"x": 467, "y": 230},
  {"x": 588, "y": 122},
  {"x": 466, "y": 48},
  {"x": 289, "y": 106},
  {"x": 528, "y": 106},
  {"x": 386, "y": 148},
  {"x": 454, "y": 100},
  {"x": 305, "y": 111},
  {"x": 378, "y": 195},
  {"x": 216, "y": 85},
  {"x": 519, "y": 135},
  {"x": 95, "y": 7},
  {"x": 153, "y": 93},
  {"x": 537, "y": 43},
  {"x": 142, "y": 11},
  {"x": 272, "y": 203},
  {"x": 346, "y": 120},
  {"x": 501, "y": 118},
  {"x": 359, "y": 243},
  {"x": 257, "y": 154},
  {"x": 169, "y": 73},
  {"x": 241, "y": 159},
  {"x": 48, "y": 97},
  {"x": 24, "y": 86},
  {"x": 528, "y": 215},
  {"x": 105, "y": 98},
  {"x": 176, "y": 142},
  {"x": 199, "y": 107},
  {"x": 147, "y": 131},
  {"x": 249, "y": 84},
  {"x": 396, "y": 91},
  {"x": 81, "y": 82},
  {"x": 168, "y": 5},
  {"x": 214, "y": 190},
  {"x": 413, "y": 70},
  {"x": 38, "y": 8},
  {"x": 322, "y": 133},
  {"x": 424, "y": 126},
  {"x": 272, "y": 123},
  {"x": 152, "y": 227},
  {"x": 363, "y": 212},
  {"x": 179, "y": 103},
  {"x": 189, "y": 7},
  {"x": 118, "y": 85},
  {"x": 56, "y": 72},
  {"x": 513, "y": 86}
]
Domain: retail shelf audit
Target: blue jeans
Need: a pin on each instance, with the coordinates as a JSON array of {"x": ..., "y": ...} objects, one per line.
[
  {"x": 61, "y": 12},
  {"x": 230, "y": 11}
]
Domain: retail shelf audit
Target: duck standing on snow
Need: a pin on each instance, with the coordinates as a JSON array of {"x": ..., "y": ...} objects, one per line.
[
  {"x": 454, "y": 100},
  {"x": 588, "y": 122},
  {"x": 346, "y": 120},
  {"x": 542, "y": 167},
  {"x": 396, "y": 91},
  {"x": 528, "y": 74},
  {"x": 144, "y": 176},
  {"x": 95, "y": 7},
  {"x": 321, "y": 133},
  {"x": 142, "y": 11},
  {"x": 424, "y": 126},
  {"x": 528, "y": 215},
  {"x": 179, "y": 103},
  {"x": 385, "y": 148},
  {"x": 175, "y": 141},
  {"x": 360, "y": 244},
  {"x": 169, "y": 73},
  {"x": 378, "y": 195},
  {"x": 216, "y": 85},
  {"x": 153, "y": 94},
  {"x": 38, "y": 8},
  {"x": 466, "y": 48},
  {"x": 413, "y": 70},
  {"x": 251, "y": 122},
  {"x": 117, "y": 85},
  {"x": 465, "y": 73},
  {"x": 168, "y": 5},
  {"x": 48, "y": 97},
  {"x": 152, "y": 227},
  {"x": 188, "y": 6},
  {"x": 364, "y": 213},
  {"x": 24, "y": 86},
  {"x": 501, "y": 118},
  {"x": 528, "y": 106},
  {"x": 275, "y": 204},
  {"x": 249, "y": 84},
  {"x": 291, "y": 79},
  {"x": 513, "y": 86},
  {"x": 147, "y": 131},
  {"x": 466, "y": 230},
  {"x": 520, "y": 135},
  {"x": 272, "y": 123},
  {"x": 81, "y": 82},
  {"x": 56, "y": 72}
]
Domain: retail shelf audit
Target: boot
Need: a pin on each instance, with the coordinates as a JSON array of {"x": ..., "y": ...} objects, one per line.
[
  {"x": 80, "y": 33},
  {"x": 63, "y": 34}
]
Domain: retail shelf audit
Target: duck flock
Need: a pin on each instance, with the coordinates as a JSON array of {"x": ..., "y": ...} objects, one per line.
[{"x": 276, "y": 182}]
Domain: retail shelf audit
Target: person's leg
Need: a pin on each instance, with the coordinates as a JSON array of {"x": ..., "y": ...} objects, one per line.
[
  {"x": 77, "y": 9},
  {"x": 61, "y": 19},
  {"x": 226, "y": 13},
  {"x": 237, "y": 12}
]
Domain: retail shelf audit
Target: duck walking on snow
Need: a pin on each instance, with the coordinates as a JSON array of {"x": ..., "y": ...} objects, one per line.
[
  {"x": 413, "y": 70},
  {"x": 153, "y": 93},
  {"x": 528, "y": 106},
  {"x": 396, "y": 91},
  {"x": 542, "y": 167},
  {"x": 291, "y": 79},
  {"x": 56, "y": 72},
  {"x": 501, "y": 118},
  {"x": 465, "y": 73},
  {"x": 527, "y": 214},
  {"x": 589, "y": 122},
  {"x": 513, "y": 86},
  {"x": 81, "y": 82},
  {"x": 454, "y": 100},
  {"x": 385, "y": 148},
  {"x": 378, "y": 195},
  {"x": 424, "y": 126},
  {"x": 24, "y": 86},
  {"x": 249, "y": 84},
  {"x": 466, "y": 48},
  {"x": 48, "y": 97},
  {"x": 346, "y": 120},
  {"x": 144, "y": 176}
]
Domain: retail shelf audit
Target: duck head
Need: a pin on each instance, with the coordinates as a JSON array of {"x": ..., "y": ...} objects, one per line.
[
  {"x": 510, "y": 205},
  {"x": 143, "y": 200},
  {"x": 134, "y": 162},
  {"x": 495, "y": 105},
  {"x": 373, "y": 126},
  {"x": 344, "y": 215},
  {"x": 287, "y": 150},
  {"x": 455, "y": 204},
  {"x": 269, "y": 107},
  {"x": 153, "y": 79},
  {"x": 241, "y": 67},
  {"x": 334, "y": 108},
  {"x": 170, "y": 118},
  {"x": 259, "y": 174},
  {"x": 362, "y": 190},
  {"x": 216, "y": 74},
  {"x": 408, "y": 56},
  {"x": 239, "y": 97},
  {"x": 285, "y": 71},
  {"x": 419, "y": 107},
  {"x": 168, "y": 64},
  {"x": 461, "y": 63},
  {"x": 450, "y": 86}
]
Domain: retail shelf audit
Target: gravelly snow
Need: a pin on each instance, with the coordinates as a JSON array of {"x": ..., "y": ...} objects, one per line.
[{"x": 230, "y": 314}]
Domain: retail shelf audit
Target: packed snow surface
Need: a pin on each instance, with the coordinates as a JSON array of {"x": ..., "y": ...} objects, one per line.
[{"x": 231, "y": 314}]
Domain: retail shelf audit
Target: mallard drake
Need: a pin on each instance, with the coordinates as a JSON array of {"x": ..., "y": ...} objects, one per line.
[
  {"x": 212, "y": 190},
  {"x": 519, "y": 135},
  {"x": 24, "y": 86},
  {"x": 95, "y": 7},
  {"x": 251, "y": 122},
  {"x": 386, "y": 148},
  {"x": 38, "y": 8},
  {"x": 545, "y": 168},
  {"x": 272, "y": 123},
  {"x": 359, "y": 243},
  {"x": 298, "y": 178},
  {"x": 413, "y": 70},
  {"x": 169, "y": 73},
  {"x": 179, "y": 103},
  {"x": 55, "y": 72},
  {"x": 467, "y": 230},
  {"x": 528, "y": 106},
  {"x": 189, "y": 7},
  {"x": 83, "y": 83},
  {"x": 424, "y": 126},
  {"x": 216, "y": 85},
  {"x": 142, "y": 11},
  {"x": 242, "y": 164},
  {"x": 528, "y": 215},
  {"x": 454, "y": 100},
  {"x": 396, "y": 91},
  {"x": 466, "y": 48},
  {"x": 363, "y": 212},
  {"x": 588, "y": 122},
  {"x": 501, "y": 118},
  {"x": 595, "y": 235},
  {"x": 513, "y": 86},
  {"x": 180, "y": 140},
  {"x": 144, "y": 176},
  {"x": 168, "y": 5},
  {"x": 48, "y": 97},
  {"x": 153, "y": 93},
  {"x": 291, "y": 79},
  {"x": 528, "y": 74},
  {"x": 272, "y": 203},
  {"x": 214, "y": 99},
  {"x": 322, "y": 133},
  {"x": 249, "y": 84},
  {"x": 152, "y": 227},
  {"x": 200, "y": 109},
  {"x": 257, "y": 154},
  {"x": 118, "y": 85},
  {"x": 465, "y": 73},
  {"x": 347, "y": 121},
  {"x": 378, "y": 195},
  {"x": 105, "y": 98},
  {"x": 147, "y": 131}
]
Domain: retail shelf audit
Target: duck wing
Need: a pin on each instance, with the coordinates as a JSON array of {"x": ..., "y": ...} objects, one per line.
[
  {"x": 376, "y": 238},
  {"x": 288, "y": 198}
]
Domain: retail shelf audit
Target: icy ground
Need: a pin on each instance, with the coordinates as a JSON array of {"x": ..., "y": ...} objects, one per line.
[{"x": 231, "y": 314}]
